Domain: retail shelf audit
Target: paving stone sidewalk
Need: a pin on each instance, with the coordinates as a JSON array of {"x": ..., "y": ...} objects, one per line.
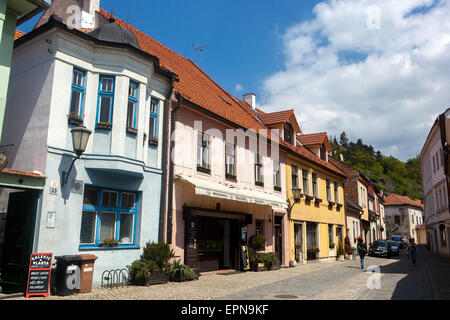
[{"x": 335, "y": 280}]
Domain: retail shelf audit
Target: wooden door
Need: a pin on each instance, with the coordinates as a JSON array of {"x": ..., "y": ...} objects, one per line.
[{"x": 278, "y": 238}]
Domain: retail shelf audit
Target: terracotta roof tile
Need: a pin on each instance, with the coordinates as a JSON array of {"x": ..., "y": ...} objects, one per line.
[
  {"x": 22, "y": 173},
  {"x": 18, "y": 34},
  {"x": 395, "y": 200},
  {"x": 314, "y": 139},
  {"x": 196, "y": 86}
]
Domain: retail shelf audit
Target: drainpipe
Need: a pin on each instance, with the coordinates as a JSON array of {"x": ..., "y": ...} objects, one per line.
[
  {"x": 168, "y": 224},
  {"x": 164, "y": 164}
]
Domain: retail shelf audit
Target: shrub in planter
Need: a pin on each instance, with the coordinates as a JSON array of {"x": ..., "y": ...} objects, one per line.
[
  {"x": 180, "y": 272},
  {"x": 269, "y": 259},
  {"x": 141, "y": 270},
  {"x": 256, "y": 243},
  {"x": 160, "y": 253},
  {"x": 332, "y": 245},
  {"x": 312, "y": 252}
]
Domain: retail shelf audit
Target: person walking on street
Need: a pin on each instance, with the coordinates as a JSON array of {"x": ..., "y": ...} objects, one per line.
[
  {"x": 412, "y": 251},
  {"x": 361, "y": 251}
]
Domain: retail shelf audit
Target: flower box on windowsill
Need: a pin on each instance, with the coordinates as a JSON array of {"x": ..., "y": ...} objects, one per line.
[
  {"x": 77, "y": 122},
  {"x": 338, "y": 205},
  {"x": 277, "y": 188},
  {"x": 104, "y": 125},
  {"x": 317, "y": 200},
  {"x": 308, "y": 197},
  {"x": 109, "y": 243},
  {"x": 230, "y": 176},
  {"x": 132, "y": 131},
  {"x": 152, "y": 141},
  {"x": 203, "y": 169},
  {"x": 259, "y": 183}
]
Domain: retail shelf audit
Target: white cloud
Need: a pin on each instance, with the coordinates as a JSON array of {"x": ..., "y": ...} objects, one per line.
[
  {"x": 238, "y": 87},
  {"x": 385, "y": 85}
]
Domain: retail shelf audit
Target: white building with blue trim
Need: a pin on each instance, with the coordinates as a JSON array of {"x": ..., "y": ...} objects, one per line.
[{"x": 61, "y": 78}]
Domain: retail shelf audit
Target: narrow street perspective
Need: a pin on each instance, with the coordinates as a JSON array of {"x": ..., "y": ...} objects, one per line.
[{"x": 383, "y": 278}]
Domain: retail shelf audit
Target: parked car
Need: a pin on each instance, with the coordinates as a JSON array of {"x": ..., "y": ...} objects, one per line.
[
  {"x": 380, "y": 249},
  {"x": 401, "y": 240},
  {"x": 395, "y": 247}
]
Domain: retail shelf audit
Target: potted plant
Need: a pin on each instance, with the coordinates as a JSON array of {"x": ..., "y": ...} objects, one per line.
[
  {"x": 141, "y": 270},
  {"x": 104, "y": 125},
  {"x": 332, "y": 245},
  {"x": 153, "y": 141},
  {"x": 348, "y": 248},
  {"x": 312, "y": 252},
  {"x": 269, "y": 260},
  {"x": 75, "y": 118},
  {"x": 256, "y": 243},
  {"x": 111, "y": 242},
  {"x": 340, "y": 252},
  {"x": 179, "y": 272}
]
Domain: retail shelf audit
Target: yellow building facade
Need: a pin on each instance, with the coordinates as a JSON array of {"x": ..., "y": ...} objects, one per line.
[{"x": 318, "y": 218}]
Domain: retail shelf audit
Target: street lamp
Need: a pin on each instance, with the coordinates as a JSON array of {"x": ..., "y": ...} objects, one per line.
[
  {"x": 297, "y": 194},
  {"x": 80, "y": 137}
]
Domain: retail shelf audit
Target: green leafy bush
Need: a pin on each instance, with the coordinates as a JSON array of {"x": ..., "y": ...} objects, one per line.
[
  {"x": 268, "y": 258},
  {"x": 341, "y": 251},
  {"x": 180, "y": 272},
  {"x": 160, "y": 253},
  {"x": 140, "y": 270}
]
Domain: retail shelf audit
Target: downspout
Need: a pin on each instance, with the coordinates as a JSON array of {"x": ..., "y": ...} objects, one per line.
[
  {"x": 165, "y": 162},
  {"x": 170, "y": 175}
]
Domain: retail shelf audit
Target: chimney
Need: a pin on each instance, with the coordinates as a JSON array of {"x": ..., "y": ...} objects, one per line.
[
  {"x": 88, "y": 13},
  {"x": 250, "y": 98}
]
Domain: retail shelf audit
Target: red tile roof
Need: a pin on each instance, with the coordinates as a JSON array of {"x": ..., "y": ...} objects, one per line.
[
  {"x": 22, "y": 173},
  {"x": 18, "y": 34},
  {"x": 279, "y": 117},
  {"x": 315, "y": 139},
  {"x": 396, "y": 200}
]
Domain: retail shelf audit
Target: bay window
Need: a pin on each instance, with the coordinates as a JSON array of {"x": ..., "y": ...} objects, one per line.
[
  {"x": 77, "y": 94},
  {"x": 132, "y": 105},
  {"x": 105, "y": 100}
]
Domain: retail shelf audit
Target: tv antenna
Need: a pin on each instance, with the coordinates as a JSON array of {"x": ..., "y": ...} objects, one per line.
[{"x": 200, "y": 48}]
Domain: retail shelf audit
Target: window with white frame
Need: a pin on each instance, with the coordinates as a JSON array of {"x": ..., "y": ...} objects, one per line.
[
  {"x": 328, "y": 188},
  {"x": 294, "y": 176},
  {"x": 230, "y": 159},
  {"x": 315, "y": 185},
  {"x": 203, "y": 145},
  {"x": 259, "y": 179},
  {"x": 305, "y": 178},
  {"x": 108, "y": 214},
  {"x": 276, "y": 174},
  {"x": 336, "y": 192}
]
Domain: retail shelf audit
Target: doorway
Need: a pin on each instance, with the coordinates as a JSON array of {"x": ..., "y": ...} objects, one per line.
[
  {"x": 17, "y": 242},
  {"x": 298, "y": 242},
  {"x": 278, "y": 238}
]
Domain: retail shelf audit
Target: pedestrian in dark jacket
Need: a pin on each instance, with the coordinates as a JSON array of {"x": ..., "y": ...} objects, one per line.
[
  {"x": 412, "y": 250},
  {"x": 361, "y": 251}
]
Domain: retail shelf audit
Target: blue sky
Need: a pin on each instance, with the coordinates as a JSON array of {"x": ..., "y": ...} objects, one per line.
[{"x": 377, "y": 69}]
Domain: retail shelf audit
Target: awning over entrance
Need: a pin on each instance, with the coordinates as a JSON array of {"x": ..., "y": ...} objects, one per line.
[{"x": 217, "y": 190}]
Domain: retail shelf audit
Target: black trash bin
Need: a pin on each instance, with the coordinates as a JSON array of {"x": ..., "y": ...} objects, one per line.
[{"x": 67, "y": 272}]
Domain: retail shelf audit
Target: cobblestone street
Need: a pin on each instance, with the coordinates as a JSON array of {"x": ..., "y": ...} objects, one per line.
[{"x": 398, "y": 279}]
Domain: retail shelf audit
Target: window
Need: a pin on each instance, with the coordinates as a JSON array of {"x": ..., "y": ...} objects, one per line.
[
  {"x": 105, "y": 99},
  {"x": 328, "y": 184},
  {"x": 108, "y": 214},
  {"x": 153, "y": 130},
  {"x": 363, "y": 196},
  {"x": 294, "y": 176},
  {"x": 397, "y": 219},
  {"x": 305, "y": 181},
  {"x": 443, "y": 237},
  {"x": 310, "y": 234},
  {"x": 336, "y": 192},
  {"x": 133, "y": 92},
  {"x": 230, "y": 153},
  {"x": 259, "y": 226},
  {"x": 288, "y": 133},
  {"x": 330, "y": 234},
  {"x": 78, "y": 91},
  {"x": 203, "y": 141},
  {"x": 323, "y": 153},
  {"x": 315, "y": 185},
  {"x": 434, "y": 164},
  {"x": 258, "y": 169},
  {"x": 437, "y": 161},
  {"x": 276, "y": 173}
]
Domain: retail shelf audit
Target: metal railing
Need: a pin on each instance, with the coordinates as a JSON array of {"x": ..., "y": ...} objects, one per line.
[{"x": 115, "y": 278}]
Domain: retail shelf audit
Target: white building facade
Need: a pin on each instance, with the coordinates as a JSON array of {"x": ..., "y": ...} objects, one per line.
[{"x": 435, "y": 189}]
